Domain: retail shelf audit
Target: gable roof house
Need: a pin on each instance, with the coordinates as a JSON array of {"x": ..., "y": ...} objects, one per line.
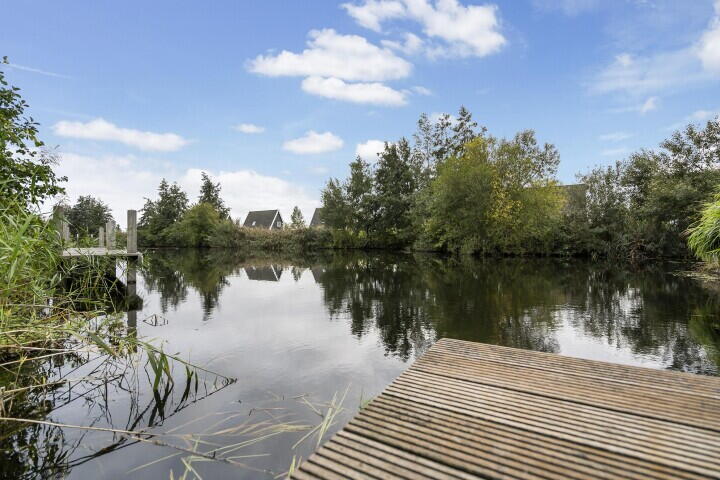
[
  {"x": 268, "y": 219},
  {"x": 317, "y": 220}
]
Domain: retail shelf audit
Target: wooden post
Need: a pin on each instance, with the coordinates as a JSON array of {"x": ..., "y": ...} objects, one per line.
[
  {"x": 110, "y": 234},
  {"x": 132, "y": 231},
  {"x": 61, "y": 223},
  {"x": 101, "y": 237}
]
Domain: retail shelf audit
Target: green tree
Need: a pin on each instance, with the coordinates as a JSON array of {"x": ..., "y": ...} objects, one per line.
[
  {"x": 499, "y": 196},
  {"x": 159, "y": 215},
  {"x": 336, "y": 211},
  {"x": 297, "y": 221},
  {"x": 358, "y": 192},
  {"x": 395, "y": 186},
  {"x": 196, "y": 227},
  {"x": 210, "y": 194},
  {"x": 26, "y": 174},
  {"x": 88, "y": 215}
]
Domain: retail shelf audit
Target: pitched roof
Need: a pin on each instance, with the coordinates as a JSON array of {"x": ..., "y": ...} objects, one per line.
[
  {"x": 317, "y": 218},
  {"x": 260, "y": 218}
]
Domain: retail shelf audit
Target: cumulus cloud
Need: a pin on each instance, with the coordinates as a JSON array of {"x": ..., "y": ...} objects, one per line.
[
  {"x": 421, "y": 90},
  {"x": 313, "y": 142},
  {"x": 471, "y": 30},
  {"x": 100, "y": 129},
  {"x": 373, "y": 12},
  {"x": 249, "y": 128},
  {"x": 329, "y": 54},
  {"x": 410, "y": 46},
  {"x": 372, "y": 93},
  {"x": 136, "y": 178},
  {"x": 708, "y": 49},
  {"x": 369, "y": 150},
  {"x": 616, "y": 136}
]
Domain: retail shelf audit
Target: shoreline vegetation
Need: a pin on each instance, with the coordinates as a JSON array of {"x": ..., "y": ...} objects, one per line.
[{"x": 457, "y": 189}]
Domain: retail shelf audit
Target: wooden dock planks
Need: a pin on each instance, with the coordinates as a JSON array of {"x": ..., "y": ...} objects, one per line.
[{"x": 469, "y": 410}]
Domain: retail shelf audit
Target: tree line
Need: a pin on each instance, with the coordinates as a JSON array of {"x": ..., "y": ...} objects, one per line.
[{"x": 457, "y": 188}]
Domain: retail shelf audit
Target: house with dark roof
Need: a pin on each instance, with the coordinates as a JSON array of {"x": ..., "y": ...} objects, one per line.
[
  {"x": 317, "y": 220},
  {"x": 267, "y": 219}
]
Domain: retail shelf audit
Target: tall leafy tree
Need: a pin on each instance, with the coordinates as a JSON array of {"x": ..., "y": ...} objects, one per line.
[
  {"x": 88, "y": 215},
  {"x": 210, "y": 194},
  {"x": 463, "y": 132},
  {"x": 26, "y": 174},
  {"x": 395, "y": 186},
  {"x": 297, "y": 221},
  {"x": 359, "y": 196},
  {"x": 159, "y": 215},
  {"x": 336, "y": 211}
]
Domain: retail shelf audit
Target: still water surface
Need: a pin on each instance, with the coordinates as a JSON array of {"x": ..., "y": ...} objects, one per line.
[{"x": 295, "y": 329}]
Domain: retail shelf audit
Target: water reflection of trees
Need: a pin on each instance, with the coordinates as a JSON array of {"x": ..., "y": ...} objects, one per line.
[{"x": 412, "y": 300}]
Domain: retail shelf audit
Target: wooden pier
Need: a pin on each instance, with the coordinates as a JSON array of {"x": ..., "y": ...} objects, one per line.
[{"x": 467, "y": 410}]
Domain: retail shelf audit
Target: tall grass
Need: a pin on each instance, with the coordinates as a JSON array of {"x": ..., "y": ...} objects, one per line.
[{"x": 704, "y": 236}]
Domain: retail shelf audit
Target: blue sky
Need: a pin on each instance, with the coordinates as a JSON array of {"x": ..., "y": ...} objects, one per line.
[{"x": 274, "y": 97}]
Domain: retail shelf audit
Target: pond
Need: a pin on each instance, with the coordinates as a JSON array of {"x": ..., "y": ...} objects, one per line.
[{"x": 281, "y": 336}]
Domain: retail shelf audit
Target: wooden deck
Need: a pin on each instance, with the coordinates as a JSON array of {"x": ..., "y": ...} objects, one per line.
[
  {"x": 98, "y": 252},
  {"x": 469, "y": 410}
]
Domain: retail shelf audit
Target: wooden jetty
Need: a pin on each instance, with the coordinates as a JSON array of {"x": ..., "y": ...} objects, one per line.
[
  {"x": 106, "y": 239},
  {"x": 467, "y": 410}
]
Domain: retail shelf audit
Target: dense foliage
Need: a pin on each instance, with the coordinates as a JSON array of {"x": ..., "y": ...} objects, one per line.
[
  {"x": 26, "y": 175},
  {"x": 459, "y": 189},
  {"x": 88, "y": 215}
]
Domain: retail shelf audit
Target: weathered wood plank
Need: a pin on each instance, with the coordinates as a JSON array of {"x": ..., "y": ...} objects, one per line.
[{"x": 467, "y": 410}]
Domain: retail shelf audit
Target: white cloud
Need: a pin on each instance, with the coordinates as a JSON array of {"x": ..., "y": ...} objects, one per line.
[
  {"x": 568, "y": 7},
  {"x": 245, "y": 190},
  {"x": 615, "y": 152},
  {"x": 650, "y": 74},
  {"x": 99, "y": 129},
  {"x": 135, "y": 178},
  {"x": 348, "y": 57},
  {"x": 373, "y": 93},
  {"x": 471, "y": 30},
  {"x": 313, "y": 142},
  {"x": 421, "y": 90},
  {"x": 698, "y": 116},
  {"x": 703, "y": 115},
  {"x": 373, "y": 12},
  {"x": 708, "y": 49},
  {"x": 369, "y": 150},
  {"x": 412, "y": 44},
  {"x": 36, "y": 70},
  {"x": 650, "y": 104},
  {"x": 665, "y": 70},
  {"x": 616, "y": 136},
  {"x": 249, "y": 128}
]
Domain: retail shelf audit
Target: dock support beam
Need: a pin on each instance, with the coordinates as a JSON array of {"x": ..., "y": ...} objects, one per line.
[
  {"x": 110, "y": 234},
  {"x": 101, "y": 237},
  {"x": 132, "y": 231}
]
